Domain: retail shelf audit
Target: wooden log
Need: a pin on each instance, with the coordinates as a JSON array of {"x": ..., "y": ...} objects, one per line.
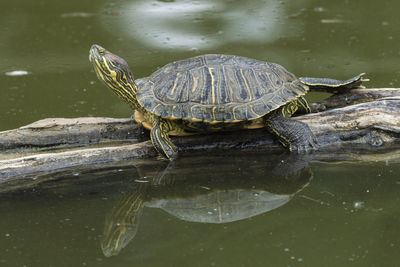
[
  {"x": 354, "y": 96},
  {"x": 367, "y": 125},
  {"x": 70, "y": 132},
  {"x": 373, "y": 123}
]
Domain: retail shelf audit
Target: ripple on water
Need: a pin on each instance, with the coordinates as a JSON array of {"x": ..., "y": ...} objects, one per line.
[{"x": 17, "y": 73}]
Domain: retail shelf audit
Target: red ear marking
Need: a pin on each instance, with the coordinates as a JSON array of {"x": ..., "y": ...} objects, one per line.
[{"x": 117, "y": 59}]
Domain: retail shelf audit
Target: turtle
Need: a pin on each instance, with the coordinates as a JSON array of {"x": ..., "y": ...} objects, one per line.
[{"x": 215, "y": 92}]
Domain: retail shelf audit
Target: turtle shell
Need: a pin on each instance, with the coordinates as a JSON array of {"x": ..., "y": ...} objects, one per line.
[{"x": 218, "y": 88}]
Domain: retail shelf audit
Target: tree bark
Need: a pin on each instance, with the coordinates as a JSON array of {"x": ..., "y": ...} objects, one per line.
[
  {"x": 58, "y": 144},
  {"x": 70, "y": 132}
]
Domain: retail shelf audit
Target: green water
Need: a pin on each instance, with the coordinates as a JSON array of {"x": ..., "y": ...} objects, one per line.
[
  {"x": 328, "y": 214},
  {"x": 346, "y": 215}
]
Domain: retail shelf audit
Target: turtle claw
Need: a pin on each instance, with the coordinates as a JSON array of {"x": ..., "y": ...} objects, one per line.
[
  {"x": 307, "y": 143},
  {"x": 305, "y": 147},
  {"x": 295, "y": 135}
]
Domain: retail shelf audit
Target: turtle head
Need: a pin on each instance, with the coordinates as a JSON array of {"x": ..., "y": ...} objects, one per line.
[{"x": 114, "y": 72}]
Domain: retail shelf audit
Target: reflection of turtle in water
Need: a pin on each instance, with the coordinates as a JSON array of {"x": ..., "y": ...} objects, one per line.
[
  {"x": 213, "y": 93},
  {"x": 222, "y": 197},
  {"x": 222, "y": 206}
]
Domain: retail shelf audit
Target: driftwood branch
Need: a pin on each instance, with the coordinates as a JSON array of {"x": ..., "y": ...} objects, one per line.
[
  {"x": 70, "y": 132},
  {"x": 57, "y": 144},
  {"x": 355, "y": 96}
]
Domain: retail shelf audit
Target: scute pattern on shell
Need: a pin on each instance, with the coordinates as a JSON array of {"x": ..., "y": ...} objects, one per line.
[{"x": 218, "y": 88}]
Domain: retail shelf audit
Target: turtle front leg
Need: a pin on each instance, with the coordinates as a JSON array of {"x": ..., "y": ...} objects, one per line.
[
  {"x": 294, "y": 135},
  {"x": 160, "y": 139}
]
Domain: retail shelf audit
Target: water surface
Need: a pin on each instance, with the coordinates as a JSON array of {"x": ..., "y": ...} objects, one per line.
[
  {"x": 313, "y": 214},
  {"x": 346, "y": 215}
]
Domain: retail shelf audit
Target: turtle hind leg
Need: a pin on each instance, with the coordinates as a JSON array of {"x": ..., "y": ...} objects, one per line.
[
  {"x": 332, "y": 85},
  {"x": 294, "y": 135},
  {"x": 160, "y": 139}
]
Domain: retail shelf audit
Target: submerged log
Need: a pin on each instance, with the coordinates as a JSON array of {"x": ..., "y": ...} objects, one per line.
[{"x": 367, "y": 125}]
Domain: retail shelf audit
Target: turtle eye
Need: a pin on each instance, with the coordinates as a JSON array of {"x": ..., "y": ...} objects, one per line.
[{"x": 102, "y": 51}]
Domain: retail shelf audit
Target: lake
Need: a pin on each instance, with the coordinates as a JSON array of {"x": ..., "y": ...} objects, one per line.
[{"x": 240, "y": 209}]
